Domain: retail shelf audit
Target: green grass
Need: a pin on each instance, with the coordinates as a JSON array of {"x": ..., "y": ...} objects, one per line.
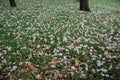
[{"x": 59, "y": 41}]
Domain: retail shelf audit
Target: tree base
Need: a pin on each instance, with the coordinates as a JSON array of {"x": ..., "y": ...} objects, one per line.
[
  {"x": 84, "y": 5},
  {"x": 12, "y": 3}
]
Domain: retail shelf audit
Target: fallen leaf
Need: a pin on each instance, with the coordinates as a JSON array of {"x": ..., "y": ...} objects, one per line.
[
  {"x": 91, "y": 77},
  {"x": 38, "y": 77},
  {"x": 77, "y": 62},
  {"x": 52, "y": 64},
  {"x": 46, "y": 79},
  {"x": 1, "y": 77},
  {"x": 31, "y": 66},
  {"x": 72, "y": 73},
  {"x": 110, "y": 67}
]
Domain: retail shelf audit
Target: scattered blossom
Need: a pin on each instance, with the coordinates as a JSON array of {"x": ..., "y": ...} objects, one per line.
[{"x": 58, "y": 41}]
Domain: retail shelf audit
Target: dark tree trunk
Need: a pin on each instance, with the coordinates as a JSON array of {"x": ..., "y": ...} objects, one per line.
[
  {"x": 12, "y": 3},
  {"x": 84, "y": 5}
]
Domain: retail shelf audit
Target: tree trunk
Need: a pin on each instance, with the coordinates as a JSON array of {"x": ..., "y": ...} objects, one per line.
[
  {"x": 84, "y": 5},
  {"x": 12, "y": 3}
]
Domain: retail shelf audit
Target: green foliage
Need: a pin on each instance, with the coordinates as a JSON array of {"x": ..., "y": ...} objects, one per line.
[{"x": 59, "y": 41}]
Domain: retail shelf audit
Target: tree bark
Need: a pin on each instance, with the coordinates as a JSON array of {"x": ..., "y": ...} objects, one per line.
[
  {"x": 12, "y": 3},
  {"x": 84, "y": 5}
]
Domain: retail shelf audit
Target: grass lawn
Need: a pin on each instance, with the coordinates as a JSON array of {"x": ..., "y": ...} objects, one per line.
[{"x": 53, "y": 40}]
